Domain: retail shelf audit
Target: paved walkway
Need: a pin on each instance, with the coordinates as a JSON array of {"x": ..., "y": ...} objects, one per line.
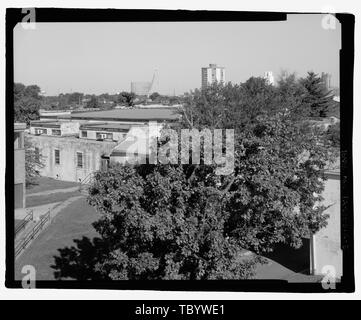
[
  {"x": 48, "y": 192},
  {"x": 37, "y": 211},
  {"x": 273, "y": 270}
]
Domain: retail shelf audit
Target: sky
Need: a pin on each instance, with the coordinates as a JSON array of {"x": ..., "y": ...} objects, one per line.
[{"x": 97, "y": 58}]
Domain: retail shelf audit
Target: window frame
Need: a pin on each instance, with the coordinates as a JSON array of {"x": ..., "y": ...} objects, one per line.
[
  {"x": 82, "y": 160},
  {"x": 56, "y": 130},
  {"x": 55, "y": 150}
]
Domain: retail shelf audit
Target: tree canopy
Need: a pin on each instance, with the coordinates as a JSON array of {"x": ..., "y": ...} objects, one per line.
[
  {"x": 93, "y": 102},
  {"x": 126, "y": 98},
  {"x": 176, "y": 221},
  {"x": 33, "y": 162},
  {"x": 27, "y": 102},
  {"x": 317, "y": 96}
]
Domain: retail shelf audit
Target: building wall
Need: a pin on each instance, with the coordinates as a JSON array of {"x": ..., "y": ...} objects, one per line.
[
  {"x": 141, "y": 88},
  {"x": 19, "y": 169},
  {"x": 327, "y": 242},
  {"x": 19, "y": 177},
  {"x": 67, "y": 170},
  {"x": 69, "y": 128},
  {"x": 91, "y": 134}
]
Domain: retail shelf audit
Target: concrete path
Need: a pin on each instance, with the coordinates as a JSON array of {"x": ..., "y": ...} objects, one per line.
[
  {"x": 62, "y": 205},
  {"x": 45, "y": 193},
  {"x": 37, "y": 211}
]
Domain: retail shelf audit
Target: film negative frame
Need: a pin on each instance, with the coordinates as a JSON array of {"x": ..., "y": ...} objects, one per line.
[{"x": 16, "y": 15}]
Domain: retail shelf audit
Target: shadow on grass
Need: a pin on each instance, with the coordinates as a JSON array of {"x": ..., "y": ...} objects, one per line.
[
  {"x": 297, "y": 260},
  {"x": 79, "y": 262}
]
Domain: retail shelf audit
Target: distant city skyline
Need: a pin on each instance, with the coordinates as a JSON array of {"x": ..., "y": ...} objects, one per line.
[{"x": 95, "y": 58}]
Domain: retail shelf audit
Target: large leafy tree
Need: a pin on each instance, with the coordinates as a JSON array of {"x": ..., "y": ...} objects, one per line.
[
  {"x": 185, "y": 221},
  {"x": 27, "y": 102}
]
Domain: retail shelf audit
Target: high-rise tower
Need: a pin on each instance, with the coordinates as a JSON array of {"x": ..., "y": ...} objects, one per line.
[{"x": 212, "y": 74}]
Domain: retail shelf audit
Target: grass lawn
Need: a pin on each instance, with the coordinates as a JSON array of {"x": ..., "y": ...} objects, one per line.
[
  {"x": 73, "y": 222},
  {"x": 33, "y": 201},
  {"x": 46, "y": 184}
]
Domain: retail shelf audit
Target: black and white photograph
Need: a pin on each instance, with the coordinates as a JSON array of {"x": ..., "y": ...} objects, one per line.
[{"x": 179, "y": 150}]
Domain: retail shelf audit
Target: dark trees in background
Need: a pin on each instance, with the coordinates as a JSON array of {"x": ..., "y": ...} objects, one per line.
[
  {"x": 27, "y": 102},
  {"x": 187, "y": 222},
  {"x": 317, "y": 97},
  {"x": 126, "y": 98},
  {"x": 75, "y": 98},
  {"x": 93, "y": 102},
  {"x": 333, "y": 135}
]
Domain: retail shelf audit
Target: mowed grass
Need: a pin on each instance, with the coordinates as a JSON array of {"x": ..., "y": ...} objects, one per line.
[
  {"x": 73, "y": 222},
  {"x": 33, "y": 201},
  {"x": 46, "y": 184}
]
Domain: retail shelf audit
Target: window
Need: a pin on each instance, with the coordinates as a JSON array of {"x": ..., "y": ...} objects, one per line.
[
  {"x": 57, "y": 156},
  {"x": 104, "y": 135},
  {"x": 56, "y": 132},
  {"x": 84, "y": 134},
  {"x": 100, "y": 136},
  {"x": 79, "y": 159},
  {"x": 39, "y": 131}
]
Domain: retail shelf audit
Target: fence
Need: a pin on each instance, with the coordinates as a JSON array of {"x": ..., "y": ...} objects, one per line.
[
  {"x": 32, "y": 234},
  {"x": 29, "y": 217}
]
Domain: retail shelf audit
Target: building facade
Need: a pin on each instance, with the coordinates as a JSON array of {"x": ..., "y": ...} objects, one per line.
[
  {"x": 325, "y": 245},
  {"x": 268, "y": 76},
  {"x": 213, "y": 74},
  {"x": 74, "y": 146},
  {"x": 19, "y": 166},
  {"x": 326, "y": 79}
]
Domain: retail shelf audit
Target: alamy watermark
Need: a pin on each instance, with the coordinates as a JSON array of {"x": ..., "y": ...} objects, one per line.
[
  {"x": 153, "y": 145},
  {"x": 28, "y": 21},
  {"x": 29, "y": 278}
]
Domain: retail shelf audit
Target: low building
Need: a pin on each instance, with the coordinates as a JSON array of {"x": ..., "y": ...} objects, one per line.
[
  {"x": 69, "y": 158},
  {"x": 19, "y": 166},
  {"x": 75, "y": 145},
  {"x": 104, "y": 131}
]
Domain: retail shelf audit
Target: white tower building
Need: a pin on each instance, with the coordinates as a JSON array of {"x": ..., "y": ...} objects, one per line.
[
  {"x": 212, "y": 74},
  {"x": 268, "y": 76}
]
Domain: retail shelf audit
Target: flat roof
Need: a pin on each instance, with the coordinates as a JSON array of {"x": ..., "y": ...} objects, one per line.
[
  {"x": 19, "y": 126},
  {"x": 97, "y": 126},
  {"x": 46, "y": 124},
  {"x": 146, "y": 114}
]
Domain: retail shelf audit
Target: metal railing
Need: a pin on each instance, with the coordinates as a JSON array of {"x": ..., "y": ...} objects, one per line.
[
  {"x": 21, "y": 245},
  {"x": 29, "y": 217},
  {"x": 86, "y": 181}
]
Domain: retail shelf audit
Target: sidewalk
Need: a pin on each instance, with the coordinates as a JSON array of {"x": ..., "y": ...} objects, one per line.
[
  {"x": 37, "y": 211},
  {"x": 48, "y": 192}
]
